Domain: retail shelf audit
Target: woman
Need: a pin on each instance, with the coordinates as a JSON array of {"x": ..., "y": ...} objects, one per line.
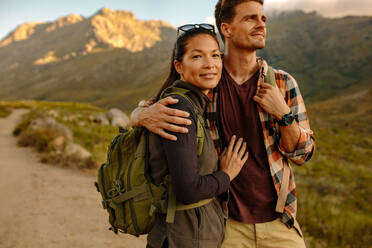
[{"x": 195, "y": 66}]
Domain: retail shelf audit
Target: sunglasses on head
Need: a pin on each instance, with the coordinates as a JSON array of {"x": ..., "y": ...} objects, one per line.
[{"x": 188, "y": 27}]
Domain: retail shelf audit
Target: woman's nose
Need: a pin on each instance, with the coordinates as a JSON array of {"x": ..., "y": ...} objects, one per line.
[{"x": 208, "y": 62}]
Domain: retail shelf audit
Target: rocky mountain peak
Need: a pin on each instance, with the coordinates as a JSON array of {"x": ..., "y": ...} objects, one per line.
[
  {"x": 26, "y": 30},
  {"x": 121, "y": 29},
  {"x": 64, "y": 21},
  {"x": 105, "y": 11},
  {"x": 106, "y": 28},
  {"x": 22, "y": 32}
]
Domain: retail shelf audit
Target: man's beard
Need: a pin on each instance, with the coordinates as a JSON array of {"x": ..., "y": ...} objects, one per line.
[{"x": 251, "y": 45}]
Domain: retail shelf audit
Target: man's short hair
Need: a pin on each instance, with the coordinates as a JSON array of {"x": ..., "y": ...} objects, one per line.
[{"x": 225, "y": 11}]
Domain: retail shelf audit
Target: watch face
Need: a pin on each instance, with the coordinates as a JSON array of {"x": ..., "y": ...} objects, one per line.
[{"x": 288, "y": 120}]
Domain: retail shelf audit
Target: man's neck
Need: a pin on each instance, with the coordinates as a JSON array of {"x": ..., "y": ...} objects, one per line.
[{"x": 240, "y": 64}]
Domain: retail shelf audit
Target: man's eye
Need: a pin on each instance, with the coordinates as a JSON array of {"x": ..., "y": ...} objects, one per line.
[
  {"x": 196, "y": 56},
  {"x": 216, "y": 55}
]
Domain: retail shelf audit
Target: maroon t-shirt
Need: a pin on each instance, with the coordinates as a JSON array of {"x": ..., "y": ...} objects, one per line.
[{"x": 252, "y": 193}]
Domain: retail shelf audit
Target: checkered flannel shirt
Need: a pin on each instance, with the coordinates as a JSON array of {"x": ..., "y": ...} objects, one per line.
[{"x": 276, "y": 153}]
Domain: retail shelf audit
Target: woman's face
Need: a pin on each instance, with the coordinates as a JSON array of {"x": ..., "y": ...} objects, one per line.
[{"x": 201, "y": 64}]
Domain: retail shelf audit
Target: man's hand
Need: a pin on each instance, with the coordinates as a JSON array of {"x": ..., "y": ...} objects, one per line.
[
  {"x": 158, "y": 117},
  {"x": 271, "y": 100}
]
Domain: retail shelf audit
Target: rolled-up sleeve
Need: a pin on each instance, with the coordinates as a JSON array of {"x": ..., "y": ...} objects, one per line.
[{"x": 306, "y": 142}]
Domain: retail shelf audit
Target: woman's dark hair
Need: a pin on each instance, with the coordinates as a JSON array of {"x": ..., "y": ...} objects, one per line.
[{"x": 178, "y": 52}]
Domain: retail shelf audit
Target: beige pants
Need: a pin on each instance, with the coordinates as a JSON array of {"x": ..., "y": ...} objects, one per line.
[{"x": 272, "y": 234}]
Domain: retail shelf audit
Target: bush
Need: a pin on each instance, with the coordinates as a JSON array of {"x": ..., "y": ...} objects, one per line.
[
  {"x": 40, "y": 139},
  {"x": 68, "y": 161},
  {"x": 4, "y": 112}
]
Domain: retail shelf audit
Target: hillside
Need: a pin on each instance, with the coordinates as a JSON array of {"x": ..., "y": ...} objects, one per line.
[
  {"x": 325, "y": 55},
  {"x": 107, "y": 59},
  {"x": 113, "y": 59},
  {"x": 335, "y": 187}
]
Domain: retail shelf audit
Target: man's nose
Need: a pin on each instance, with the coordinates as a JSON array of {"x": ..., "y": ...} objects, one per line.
[{"x": 261, "y": 23}]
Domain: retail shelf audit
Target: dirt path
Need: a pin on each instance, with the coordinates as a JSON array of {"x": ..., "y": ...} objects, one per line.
[{"x": 45, "y": 206}]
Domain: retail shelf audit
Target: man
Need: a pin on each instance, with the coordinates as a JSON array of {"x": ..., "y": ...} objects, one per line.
[{"x": 263, "y": 204}]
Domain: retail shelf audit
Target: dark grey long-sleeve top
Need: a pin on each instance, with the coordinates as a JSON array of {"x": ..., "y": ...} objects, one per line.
[{"x": 194, "y": 178}]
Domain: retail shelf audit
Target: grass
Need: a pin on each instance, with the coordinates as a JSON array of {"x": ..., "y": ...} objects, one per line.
[
  {"x": 334, "y": 190},
  {"x": 335, "y": 187}
]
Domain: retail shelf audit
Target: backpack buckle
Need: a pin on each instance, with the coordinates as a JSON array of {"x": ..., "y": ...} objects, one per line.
[
  {"x": 122, "y": 129},
  {"x": 114, "y": 229}
]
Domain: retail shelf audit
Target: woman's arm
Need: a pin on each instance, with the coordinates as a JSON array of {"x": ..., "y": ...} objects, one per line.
[{"x": 182, "y": 161}]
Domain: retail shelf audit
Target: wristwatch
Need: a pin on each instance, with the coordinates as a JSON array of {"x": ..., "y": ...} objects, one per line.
[{"x": 286, "y": 120}]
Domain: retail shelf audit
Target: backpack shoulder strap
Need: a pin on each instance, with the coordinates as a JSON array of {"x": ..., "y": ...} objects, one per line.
[
  {"x": 172, "y": 206},
  {"x": 200, "y": 131},
  {"x": 270, "y": 76}
]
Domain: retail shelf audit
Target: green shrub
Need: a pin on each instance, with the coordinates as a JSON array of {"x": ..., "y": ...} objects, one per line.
[
  {"x": 40, "y": 139},
  {"x": 68, "y": 161},
  {"x": 4, "y": 112}
]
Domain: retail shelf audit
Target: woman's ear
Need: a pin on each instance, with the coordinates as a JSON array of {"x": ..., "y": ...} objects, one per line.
[
  {"x": 178, "y": 67},
  {"x": 226, "y": 30}
]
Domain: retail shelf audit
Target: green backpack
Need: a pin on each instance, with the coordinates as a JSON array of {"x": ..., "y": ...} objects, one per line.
[{"x": 129, "y": 196}]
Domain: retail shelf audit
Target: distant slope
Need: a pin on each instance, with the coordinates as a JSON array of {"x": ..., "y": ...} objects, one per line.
[
  {"x": 113, "y": 59},
  {"x": 325, "y": 55}
]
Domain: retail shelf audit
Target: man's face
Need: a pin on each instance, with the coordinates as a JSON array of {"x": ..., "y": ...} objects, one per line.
[{"x": 248, "y": 27}]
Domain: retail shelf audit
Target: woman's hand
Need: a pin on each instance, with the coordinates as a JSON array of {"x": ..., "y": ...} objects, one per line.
[
  {"x": 158, "y": 117},
  {"x": 234, "y": 157}
]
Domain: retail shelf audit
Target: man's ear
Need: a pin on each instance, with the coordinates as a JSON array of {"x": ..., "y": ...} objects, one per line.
[
  {"x": 178, "y": 67},
  {"x": 226, "y": 30}
]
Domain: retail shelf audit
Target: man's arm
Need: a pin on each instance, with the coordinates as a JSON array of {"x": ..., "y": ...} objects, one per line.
[
  {"x": 158, "y": 118},
  {"x": 297, "y": 140}
]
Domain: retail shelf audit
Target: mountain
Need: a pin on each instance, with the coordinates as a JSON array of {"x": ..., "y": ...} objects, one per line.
[
  {"x": 113, "y": 59},
  {"x": 109, "y": 59},
  {"x": 325, "y": 55}
]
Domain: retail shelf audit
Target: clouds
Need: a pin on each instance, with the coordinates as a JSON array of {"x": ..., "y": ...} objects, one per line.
[{"x": 332, "y": 8}]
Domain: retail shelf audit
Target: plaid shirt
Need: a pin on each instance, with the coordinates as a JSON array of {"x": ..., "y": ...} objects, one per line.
[{"x": 277, "y": 156}]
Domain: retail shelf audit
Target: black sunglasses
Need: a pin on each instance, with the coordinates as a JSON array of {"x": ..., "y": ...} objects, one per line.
[{"x": 188, "y": 27}]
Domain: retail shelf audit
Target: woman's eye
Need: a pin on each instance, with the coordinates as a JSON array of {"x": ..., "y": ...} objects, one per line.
[
  {"x": 216, "y": 55},
  {"x": 196, "y": 56}
]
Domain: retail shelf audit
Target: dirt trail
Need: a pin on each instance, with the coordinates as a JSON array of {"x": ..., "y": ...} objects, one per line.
[{"x": 45, "y": 206}]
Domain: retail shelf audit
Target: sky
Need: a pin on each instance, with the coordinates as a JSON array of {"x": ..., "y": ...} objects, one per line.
[{"x": 175, "y": 12}]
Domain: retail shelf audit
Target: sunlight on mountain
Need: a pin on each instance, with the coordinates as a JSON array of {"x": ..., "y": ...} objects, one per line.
[
  {"x": 64, "y": 21},
  {"x": 22, "y": 32},
  {"x": 49, "y": 57}
]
